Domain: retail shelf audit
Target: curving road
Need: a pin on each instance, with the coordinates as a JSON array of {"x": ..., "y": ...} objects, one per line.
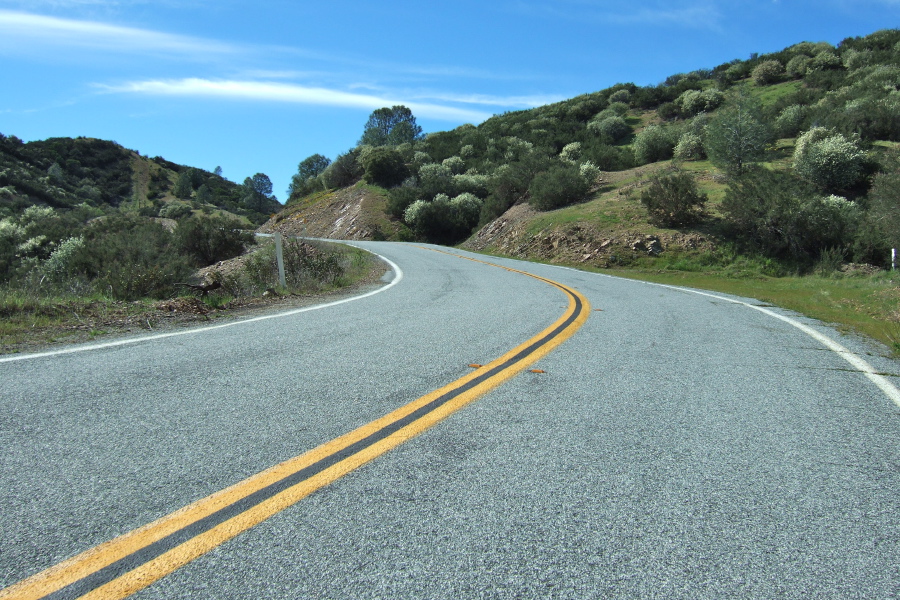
[{"x": 678, "y": 445}]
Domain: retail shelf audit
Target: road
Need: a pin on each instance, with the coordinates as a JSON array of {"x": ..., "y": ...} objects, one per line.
[{"x": 675, "y": 445}]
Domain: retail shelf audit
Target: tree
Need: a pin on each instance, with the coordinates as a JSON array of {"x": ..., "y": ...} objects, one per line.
[
  {"x": 384, "y": 167},
  {"x": 312, "y": 166},
  {"x": 391, "y": 127},
  {"x": 309, "y": 168},
  {"x": 217, "y": 171},
  {"x": 183, "y": 187},
  {"x": 737, "y": 136},
  {"x": 257, "y": 193}
]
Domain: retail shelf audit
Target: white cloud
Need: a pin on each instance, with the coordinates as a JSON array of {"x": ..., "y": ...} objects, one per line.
[
  {"x": 291, "y": 93},
  {"x": 24, "y": 32}
]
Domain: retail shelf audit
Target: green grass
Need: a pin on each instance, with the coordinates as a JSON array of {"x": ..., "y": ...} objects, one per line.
[{"x": 769, "y": 94}]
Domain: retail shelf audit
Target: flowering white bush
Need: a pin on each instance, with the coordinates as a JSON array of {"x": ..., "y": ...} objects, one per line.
[
  {"x": 455, "y": 164},
  {"x": 590, "y": 172},
  {"x": 689, "y": 147},
  {"x": 828, "y": 160},
  {"x": 411, "y": 214},
  {"x": 571, "y": 152},
  {"x": 58, "y": 262}
]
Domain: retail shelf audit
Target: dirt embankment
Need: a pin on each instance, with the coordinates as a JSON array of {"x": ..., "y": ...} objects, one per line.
[
  {"x": 354, "y": 213},
  {"x": 511, "y": 235}
]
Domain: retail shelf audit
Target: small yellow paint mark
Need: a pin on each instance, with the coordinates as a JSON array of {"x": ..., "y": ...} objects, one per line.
[
  {"x": 476, "y": 366},
  {"x": 538, "y": 371}
]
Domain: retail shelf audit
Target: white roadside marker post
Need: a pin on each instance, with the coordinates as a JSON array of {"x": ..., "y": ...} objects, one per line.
[
  {"x": 279, "y": 257},
  {"x": 893, "y": 259}
]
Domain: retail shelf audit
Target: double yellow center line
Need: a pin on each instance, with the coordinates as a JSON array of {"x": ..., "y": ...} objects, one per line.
[{"x": 131, "y": 562}]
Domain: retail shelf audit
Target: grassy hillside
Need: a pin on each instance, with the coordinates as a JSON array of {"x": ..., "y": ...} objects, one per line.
[{"x": 763, "y": 170}]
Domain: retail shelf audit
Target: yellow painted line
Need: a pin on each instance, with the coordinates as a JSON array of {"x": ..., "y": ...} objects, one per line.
[{"x": 106, "y": 571}]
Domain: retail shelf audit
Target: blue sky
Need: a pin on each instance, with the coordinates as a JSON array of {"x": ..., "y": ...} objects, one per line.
[{"x": 259, "y": 86}]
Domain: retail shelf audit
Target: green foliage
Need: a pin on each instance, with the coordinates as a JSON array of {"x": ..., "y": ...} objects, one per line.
[
  {"x": 130, "y": 258},
  {"x": 558, "y": 186},
  {"x": 306, "y": 179},
  {"x": 693, "y": 102},
  {"x": 399, "y": 199},
  {"x": 829, "y": 161},
  {"x": 672, "y": 199},
  {"x": 344, "y": 171},
  {"x": 689, "y": 147},
  {"x": 183, "y": 185},
  {"x": 737, "y": 135},
  {"x": 208, "y": 240},
  {"x": 444, "y": 221},
  {"x": 390, "y": 127},
  {"x": 611, "y": 129},
  {"x": 384, "y": 167},
  {"x": 884, "y": 209},
  {"x": 653, "y": 144},
  {"x": 785, "y": 217},
  {"x": 791, "y": 120},
  {"x": 175, "y": 210},
  {"x": 767, "y": 72}
]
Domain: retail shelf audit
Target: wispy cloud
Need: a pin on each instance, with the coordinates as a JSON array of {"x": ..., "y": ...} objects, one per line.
[
  {"x": 24, "y": 32},
  {"x": 284, "y": 92}
]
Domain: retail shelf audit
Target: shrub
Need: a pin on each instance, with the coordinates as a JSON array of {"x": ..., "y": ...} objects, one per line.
[
  {"x": 692, "y": 102},
  {"x": 175, "y": 210},
  {"x": 61, "y": 261},
  {"x": 559, "y": 186},
  {"x": 611, "y": 129},
  {"x": 623, "y": 96},
  {"x": 444, "y": 221},
  {"x": 130, "y": 258},
  {"x": 455, "y": 164},
  {"x": 689, "y": 147},
  {"x": 344, "y": 171},
  {"x": 831, "y": 162},
  {"x": 785, "y": 217},
  {"x": 884, "y": 199},
  {"x": 672, "y": 199},
  {"x": 798, "y": 66},
  {"x": 571, "y": 152},
  {"x": 826, "y": 60},
  {"x": 383, "y": 166},
  {"x": 767, "y": 72},
  {"x": 737, "y": 135},
  {"x": 791, "y": 120},
  {"x": 208, "y": 240},
  {"x": 589, "y": 172},
  {"x": 653, "y": 144}
]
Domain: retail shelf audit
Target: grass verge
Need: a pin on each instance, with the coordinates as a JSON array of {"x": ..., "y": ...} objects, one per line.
[{"x": 32, "y": 319}]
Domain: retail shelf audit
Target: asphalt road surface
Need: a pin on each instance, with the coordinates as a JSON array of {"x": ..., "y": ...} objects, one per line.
[{"x": 677, "y": 445}]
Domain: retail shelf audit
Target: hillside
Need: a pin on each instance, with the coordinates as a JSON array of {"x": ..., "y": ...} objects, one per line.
[
  {"x": 64, "y": 173},
  {"x": 810, "y": 174}
]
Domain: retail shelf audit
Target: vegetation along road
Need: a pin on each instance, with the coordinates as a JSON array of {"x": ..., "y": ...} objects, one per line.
[{"x": 625, "y": 440}]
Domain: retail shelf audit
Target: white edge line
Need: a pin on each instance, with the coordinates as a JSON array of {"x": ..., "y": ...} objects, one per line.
[
  {"x": 398, "y": 275},
  {"x": 857, "y": 362}
]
